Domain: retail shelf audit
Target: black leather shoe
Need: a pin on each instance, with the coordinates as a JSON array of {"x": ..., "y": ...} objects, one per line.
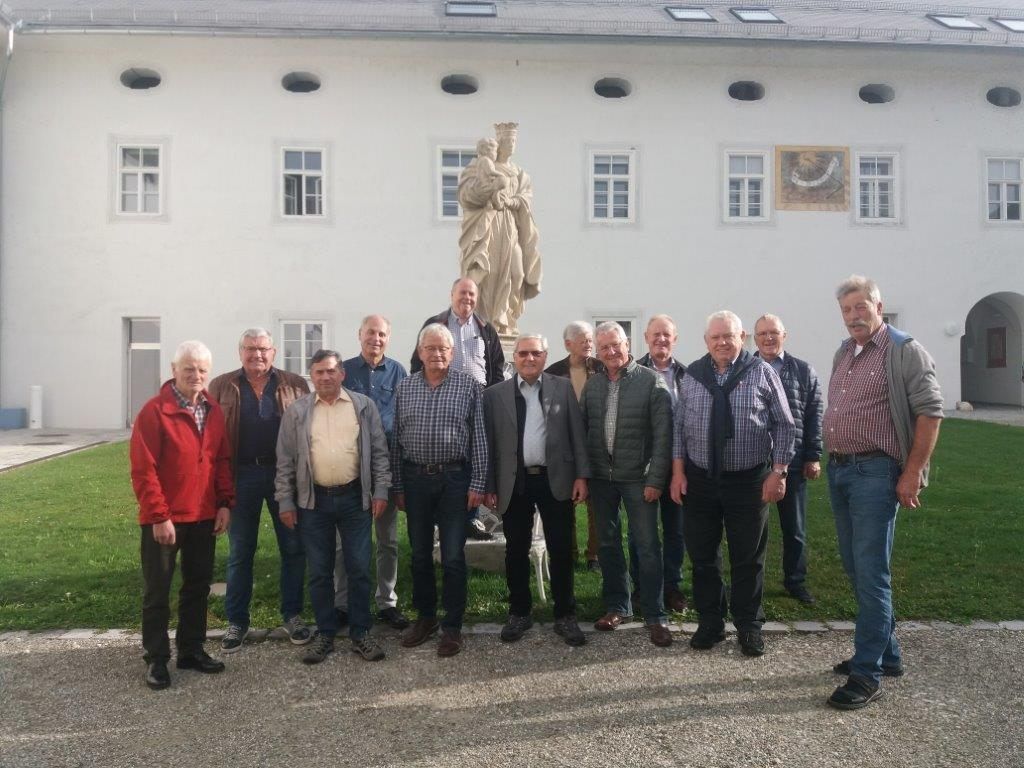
[
  {"x": 515, "y": 627},
  {"x": 393, "y": 617},
  {"x": 706, "y": 637},
  {"x": 857, "y": 693},
  {"x": 802, "y": 594},
  {"x": 157, "y": 676},
  {"x": 752, "y": 642},
  {"x": 843, "y": 668},
  {"x": 201, "y": 661}
]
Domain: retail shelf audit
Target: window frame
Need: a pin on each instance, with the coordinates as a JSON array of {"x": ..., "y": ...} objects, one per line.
[
  {"x": 441, "y": 170},
  {"x": 1002, "y": 221},
  {"x": 632, "y": 196},
  {"x": 632, "y": 320},
  {"x": 303, "y": 321},
  {"x": 767, "y": 209},
  {"x": 895, "y": 193},
  {"x": 283, "y": 173},
  {"x": 120, "y": 144}
]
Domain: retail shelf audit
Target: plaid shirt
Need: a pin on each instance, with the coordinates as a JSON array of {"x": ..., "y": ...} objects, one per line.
[
  {"x": 762, "y": 422},
  {"x": 858, "y": 418},
  {"x": 198, "y": 411},
  {"x": 438, "y": 425}
]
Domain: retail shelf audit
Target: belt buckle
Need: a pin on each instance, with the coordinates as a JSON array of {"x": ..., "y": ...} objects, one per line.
[{"x": 432, "y": 469}]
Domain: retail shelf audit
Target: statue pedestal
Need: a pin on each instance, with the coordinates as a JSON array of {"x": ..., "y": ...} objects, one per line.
[{"x": 508, "y": 346}]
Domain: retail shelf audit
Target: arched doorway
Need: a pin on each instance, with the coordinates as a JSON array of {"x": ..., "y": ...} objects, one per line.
[{"x": 992, "y": 351}]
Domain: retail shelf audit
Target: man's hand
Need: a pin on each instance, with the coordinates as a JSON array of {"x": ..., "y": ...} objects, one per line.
[
  {"x": 474, "y": 500},
  {"x": 377, "y": 507},
  {"x": 580, "y": 490},
  {"x": 651, "y": 493},
  {"x": 491, "y": 500},
  {"x": 908, "y": 487},
  {"x": 812, "y": 470},
  {"x": 773, "y": 488},
  {"x": 677, "y": 489},
  {"x": 399, "y": 499},
  {"x": 163, "y": 533},
  {"x": 288, "y": 519},
  {"x": 222, "y": 521}
]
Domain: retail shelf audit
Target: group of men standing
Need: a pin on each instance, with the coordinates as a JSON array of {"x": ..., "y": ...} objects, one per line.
[{"x": 685, "y": 451}]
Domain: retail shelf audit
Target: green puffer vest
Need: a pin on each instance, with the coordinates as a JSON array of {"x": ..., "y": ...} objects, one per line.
[{"x": 643, "y": 430}]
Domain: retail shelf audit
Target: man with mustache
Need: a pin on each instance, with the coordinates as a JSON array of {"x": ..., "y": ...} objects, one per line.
[{"x": 881, "y": 426}]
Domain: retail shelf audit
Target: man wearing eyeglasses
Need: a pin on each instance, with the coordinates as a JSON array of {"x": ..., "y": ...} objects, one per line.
[
  {"x": 538, "y": 460},
  {"x": 627, "y": 412},
  {"x": 439, "y": 471},
  {"x": 253, "y": 399},
  {"x": 801, "y": 384}
]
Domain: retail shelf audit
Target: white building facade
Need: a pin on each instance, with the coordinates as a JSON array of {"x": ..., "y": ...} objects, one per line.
[{"x": 132, "y": 218}]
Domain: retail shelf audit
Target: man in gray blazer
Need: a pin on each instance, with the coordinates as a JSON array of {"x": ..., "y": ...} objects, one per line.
[
  {"x": 333, "y": 473},
  {"x": 537, "y": 447}
]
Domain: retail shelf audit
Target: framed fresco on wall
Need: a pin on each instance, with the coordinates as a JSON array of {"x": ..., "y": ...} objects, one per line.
[{"x": 812, "y": 178}]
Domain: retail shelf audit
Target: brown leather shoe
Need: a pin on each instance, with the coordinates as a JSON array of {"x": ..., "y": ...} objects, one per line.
[
  {"x": 451, "y": 643},
  {"x": 660, "y": 635},
  {"x": 610, "y": 621},
  {"x": 418, "y": 633},
  {"x": 675, "y": 600}
]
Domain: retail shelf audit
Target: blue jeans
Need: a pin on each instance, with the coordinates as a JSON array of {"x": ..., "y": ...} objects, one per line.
[
  {"x": 440, "y": 500},
  {"x": 864, "y": 506},
  {"x": 335, "y": 514},
  {"x": 672, "y": 544},
  {"x": 643, "y": 530},
  {"x": 254, "y": 485},
  {"x": 793, "y": 519}
]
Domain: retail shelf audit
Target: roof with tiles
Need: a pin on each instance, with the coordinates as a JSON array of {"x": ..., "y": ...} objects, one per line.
[{"x": 829, "y": 21}]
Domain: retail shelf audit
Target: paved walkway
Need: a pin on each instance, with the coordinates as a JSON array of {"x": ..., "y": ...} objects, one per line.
[{"x": 23, "y": 446}]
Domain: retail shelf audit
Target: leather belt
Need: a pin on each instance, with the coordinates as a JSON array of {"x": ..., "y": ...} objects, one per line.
[
  {"x": 337, "y": 490},
  {"x": 540, "y": 469},
  {"x": 435, "y": 469},
  {"x": 260, "y": 461},
  {"x": 851, "y": 458}
]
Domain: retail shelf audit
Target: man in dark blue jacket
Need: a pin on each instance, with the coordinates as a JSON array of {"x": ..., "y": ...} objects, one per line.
[{"x": 804, "y": 395}]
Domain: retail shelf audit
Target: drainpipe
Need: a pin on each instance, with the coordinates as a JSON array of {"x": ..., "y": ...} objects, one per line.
[{"x": 3, "y": 81}]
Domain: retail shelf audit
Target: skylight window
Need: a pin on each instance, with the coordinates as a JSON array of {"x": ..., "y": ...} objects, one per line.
[
  {"x": 954, "y": 22},
  {"x": 755, "y": 16},
  {"x": 470, "y": 9},
  {"x": 689, "y": 14},
  {"x": 1014, "y": 25}
]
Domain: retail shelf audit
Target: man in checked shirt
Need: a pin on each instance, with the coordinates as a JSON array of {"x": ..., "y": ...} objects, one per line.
[
  {"x": 439, "y": 468},
  {"x": 880, "y": 428},
  {"x": 733, "y": 444}
]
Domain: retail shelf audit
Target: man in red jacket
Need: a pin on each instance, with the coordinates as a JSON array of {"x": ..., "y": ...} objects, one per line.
[{"x": 181, "y": 473}]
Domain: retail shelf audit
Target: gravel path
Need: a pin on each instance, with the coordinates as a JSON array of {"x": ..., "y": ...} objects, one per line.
[{"x": 539, "y": 702}]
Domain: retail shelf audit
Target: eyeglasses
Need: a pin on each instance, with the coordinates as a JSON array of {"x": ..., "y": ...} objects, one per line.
[
  {"x": 768, "y": 334},
  {"x": 261, "y": 350},
  {"x": 529, "y": 352}
]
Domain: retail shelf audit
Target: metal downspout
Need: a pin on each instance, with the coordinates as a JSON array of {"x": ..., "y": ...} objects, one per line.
[{"x": 3, "y": 81}]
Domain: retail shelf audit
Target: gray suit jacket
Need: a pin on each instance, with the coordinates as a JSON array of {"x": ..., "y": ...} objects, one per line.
[
  {"x": 293, "y": 485},
  {"x": 565, "y": 449}
]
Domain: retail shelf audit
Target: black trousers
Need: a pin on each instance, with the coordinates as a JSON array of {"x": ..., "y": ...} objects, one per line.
[
  {"x": 197, "y": 545},
  {"x": 733, "y": 502},
  {"x": 557, "y": 518}
]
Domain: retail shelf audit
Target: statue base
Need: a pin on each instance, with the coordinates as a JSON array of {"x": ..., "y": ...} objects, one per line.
[{"x": 508, "y": 346}]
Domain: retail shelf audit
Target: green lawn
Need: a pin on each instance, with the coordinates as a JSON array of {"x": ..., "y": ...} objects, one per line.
[{"x": 69, "y": 545}]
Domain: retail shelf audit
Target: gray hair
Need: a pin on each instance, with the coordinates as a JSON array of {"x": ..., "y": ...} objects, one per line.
[
  {"x": 724, "y": 314},
  {"x": 610, "y": 326},
  {"x": 435, "y": 329},
  {"x": 768, "y": 317},
  {"x": 365, "y": 321},
  {"x": 322, "y": 354},
  {"x": 860, "y": 283},
  {"x": 575, "y": 329},
  {"x": 254, "y": 333},
  {"x": 526, "y": 336},
  {"x": 666, "y": 318},
  {"x": 465, "y": 277},
  {"x": 192, "y": 350}
]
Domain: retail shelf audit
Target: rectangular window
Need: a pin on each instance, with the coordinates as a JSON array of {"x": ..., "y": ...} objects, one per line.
[
  {"x": 746, "y": 186},
  {"x": 877, "y": 199},
  {"x": 688, "y": 14},
  {"x": 303, "y": 182},
  {"x": 1004, "y": 188},
  {"x": 612, "y": 186},
  {"x": 139, "y": 179},
  {"x": 453, "y": 160},
  {"x": 299, "y": 340}
]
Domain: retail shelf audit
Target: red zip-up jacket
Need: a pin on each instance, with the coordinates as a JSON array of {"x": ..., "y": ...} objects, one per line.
[{"x": 177, "y": 473}]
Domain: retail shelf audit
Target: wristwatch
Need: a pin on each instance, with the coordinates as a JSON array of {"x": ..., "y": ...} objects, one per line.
[{"x": 783, "y": 473}]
